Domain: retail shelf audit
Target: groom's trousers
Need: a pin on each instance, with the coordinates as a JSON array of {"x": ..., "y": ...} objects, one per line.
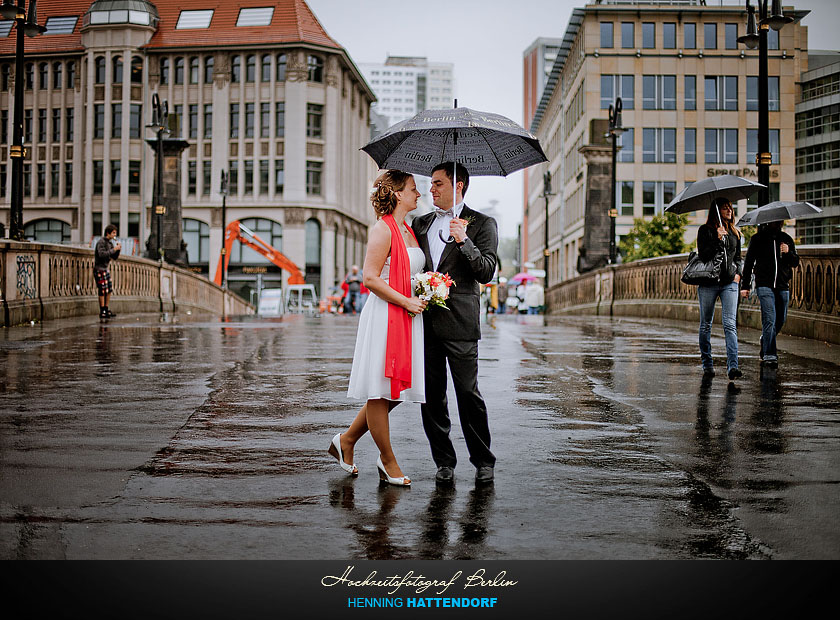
[{"x": 462, "y": 356}]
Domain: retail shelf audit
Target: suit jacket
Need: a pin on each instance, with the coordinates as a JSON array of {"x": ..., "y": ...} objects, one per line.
[{"x": 468, "y": 265}]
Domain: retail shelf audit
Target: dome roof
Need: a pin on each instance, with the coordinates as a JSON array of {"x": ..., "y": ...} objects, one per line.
[{"x": 141, "y": 12}]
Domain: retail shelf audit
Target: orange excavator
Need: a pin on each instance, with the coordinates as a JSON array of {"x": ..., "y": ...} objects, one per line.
[{"x": 235, "y": 231}]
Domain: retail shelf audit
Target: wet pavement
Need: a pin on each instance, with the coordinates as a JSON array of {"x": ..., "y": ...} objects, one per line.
[{"x": 180, "y": 437}]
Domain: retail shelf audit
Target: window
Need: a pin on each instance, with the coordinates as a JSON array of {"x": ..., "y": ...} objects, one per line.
[
  {"x": 730, "y": 36},
  {"x": 314, "y": 169},
  {"x": 27, "y": 125},
  {"x": 194, "y": 19},
  {"x": 233, "y": 177},
  {"x": 659, "y": 145},
  {"x": 55, "y": 178},
  {"x": 235, "y": 69},
  {"x": 71, "y": 74},
  {"x": 248, "y": 173},
  {"x": 68, "y": 179},
  {"x": 669, "y": 35},
  {"x": 773, "y": 99},
  {"x": 57, "y": 77},
  {"x": 249, "y": 120},
  {"x": 61, "y": 25},
  {"x": 3, "y": 180},
  {"x": 42, "y": 180},
  {"x": 752, "y": 145},
  {"x": 209, "y": 63},
  {"x": 690, "y": 36},
  {"x": 68, "y": 134},
  {"x": 134, "y": 177},
  {"x": 255, "y": 17},
  {"x": 192, "y": 177},
  {"x": 773, "y": 189},
  {"x": 280, "y": 120},
  {"x": 690, "y": 145},
  {"x": 648, "y": 35},
  {"x": 42, "y": 125},
  {"x": 721, "y": 146},
  {"x": 656, "y": 195},
  {"x": 5, "y": 73},
  {"x": 710, "y": 36},
  {"x": 281, "y": 67},
  {"x": 4, "y": 126},
  {"x": 47, "y": 231},
  {"x": 314, "y": 120},
  {"x": 810, "y": 123},
  {"x": 206, "y": 177},
  {"x": 98, "y": 173},
  {"x": 43, "y": 76},
  {"x": 265, "y": 68},
  {"x": 625, "y": 141},
  {"x": 606, "y": 34},
  {"x": 117, "y": 72},
  {"x": 690, "y": 95},
  {"x": 659, "y": 92},
  {"x": 818, "y": 231},
  {"x": 822, "y": 193},
  {"x": 208, "y": 121},
  {"x": 818, "y": 157},
  {"x": 271, "y": 232},
  {"x": 136, "y": 70},
  {"x": 164, "y": 71},
  {"x": 772, "y": 39},
  {"x": 196, "y": 234},
  {"x": 721, "y": 92},
  {"x": 628, "y": 35},
  {"x": 614, "y": 86},
  {"x": 179, "y": 70},
  {"x": 116, "y": 120},
  {"x": 315, "y": 66},
  {"x": 29, "y": 76},
  {"x": 27, "y": 179},
  {"x": 99, "y": 120},
  {"x": 177, "y": 117},
  {"x": 234, "y": 120},
  {"x": 250, "y": 68},
  {"x": 194, "y": 70},
  {"x": 264, "y": 177},
  {"x": 115, "y": 176},
  {"x": 135, "y": 120},
  {"x": 278, "y": 177},
  {"x": 99, "y": 70},
  {"x": 624, "y": 191}
]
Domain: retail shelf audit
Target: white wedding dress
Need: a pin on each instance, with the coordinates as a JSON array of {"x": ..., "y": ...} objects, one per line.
[{"x": 367, "y": 377}]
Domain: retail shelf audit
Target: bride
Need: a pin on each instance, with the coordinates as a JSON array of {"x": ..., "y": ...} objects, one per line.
[{"x": 388, "y": 359}]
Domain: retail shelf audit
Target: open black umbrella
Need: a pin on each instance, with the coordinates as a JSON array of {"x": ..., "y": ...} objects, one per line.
[
  {"x": 699, "y": 195},
  {"x": 778, "y": 211}
]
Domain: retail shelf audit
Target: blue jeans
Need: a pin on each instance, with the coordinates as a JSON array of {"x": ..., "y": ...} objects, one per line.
[
  {"x": 774, "y": 306},
  {"x": 729, "y": 304},
  {"x": 533, "y": 309}
]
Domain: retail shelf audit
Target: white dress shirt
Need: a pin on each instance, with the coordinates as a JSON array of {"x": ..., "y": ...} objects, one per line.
[{"x": 440, "y": 226}]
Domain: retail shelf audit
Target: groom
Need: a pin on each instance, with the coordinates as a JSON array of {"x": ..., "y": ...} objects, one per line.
[{"x": 452, "y": 335}]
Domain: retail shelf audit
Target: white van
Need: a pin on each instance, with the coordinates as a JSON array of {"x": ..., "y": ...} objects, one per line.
[{"x": 301, "y": 298}]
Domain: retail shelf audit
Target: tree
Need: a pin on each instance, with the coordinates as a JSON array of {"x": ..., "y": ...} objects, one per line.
[{"x": 660, "y": 236}]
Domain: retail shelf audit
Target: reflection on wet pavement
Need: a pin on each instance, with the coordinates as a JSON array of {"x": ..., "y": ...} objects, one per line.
[{"x": 177, "y": 437}]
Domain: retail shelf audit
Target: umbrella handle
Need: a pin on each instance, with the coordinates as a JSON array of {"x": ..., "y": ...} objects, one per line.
[{"x": 442, "y": 238}]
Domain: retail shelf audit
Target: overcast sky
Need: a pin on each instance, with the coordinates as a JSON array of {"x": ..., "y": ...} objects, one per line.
[{"x": 485, "y": 40}]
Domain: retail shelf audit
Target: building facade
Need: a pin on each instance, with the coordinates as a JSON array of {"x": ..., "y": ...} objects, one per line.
[
  {"x": 259, "y": 91},
  {"x": 690, "y": 107},
  {"x": 818, "y": 148}
]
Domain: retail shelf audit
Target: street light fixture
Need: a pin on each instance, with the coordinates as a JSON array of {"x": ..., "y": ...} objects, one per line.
[
  {"x": 546, "y": 194},
  {"x": 615, "y": 130},
  {"x": 26, "y": 25}
]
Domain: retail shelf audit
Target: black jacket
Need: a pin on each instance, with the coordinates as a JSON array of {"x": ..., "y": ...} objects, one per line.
[
  {"x": 708, "y": 245},
  {"x": 468, "y": 265},
  {"x": 771, "y": 268},
  {"x": 104, "y": 253}
]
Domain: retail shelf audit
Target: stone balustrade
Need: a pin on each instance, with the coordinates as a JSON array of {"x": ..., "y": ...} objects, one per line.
[
  {"x": 652, "y": 288},
  {"x": 42, "y": 281}
]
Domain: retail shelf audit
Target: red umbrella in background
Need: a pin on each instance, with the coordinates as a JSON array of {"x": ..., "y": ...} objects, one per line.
[{"x": 522, "y": 276}]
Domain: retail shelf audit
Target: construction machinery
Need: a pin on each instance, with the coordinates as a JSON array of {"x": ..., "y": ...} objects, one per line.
[{"x": 235, "y": 231}]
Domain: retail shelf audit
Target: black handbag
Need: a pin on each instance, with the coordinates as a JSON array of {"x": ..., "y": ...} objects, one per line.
[{"x": 699, "y": 272}]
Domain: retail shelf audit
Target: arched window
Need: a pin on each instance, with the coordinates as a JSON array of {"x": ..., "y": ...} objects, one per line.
[
  {"x": 268, "y": 230},
  {"x": 281, "y": 67},
  {"x": 47, "y": 231},
  {"x": 197, "y": 237},
  {"x": 57, "y": 75},
  {"x": 250, "y": 68},
  {"x": 43, "y": 76},
  {"x": 179, "y": 70},
  {"x": 164, "y": 71},
  {"x": 209, "y": 63},
  {"x": 315, "y": 64},
  {"x": 265, "y": 75},
  {"x": 194, "y": 70},
  {"x": 5, "y": 71},
  {"x": 235, "y": 69},
  {"x": 312, "y": 232},
  {"x": 29, "y": 76},
  {"x": 99, "y": 70},
  {"x": 117, "y": 75},
  {"x": 71, "y": 74},
  {"x": 136, "y": 70}
]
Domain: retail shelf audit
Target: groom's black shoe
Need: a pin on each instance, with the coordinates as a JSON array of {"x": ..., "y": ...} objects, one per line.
[
  {"x": 445, "y": 474},
  {"x": 484, "y": 474}
]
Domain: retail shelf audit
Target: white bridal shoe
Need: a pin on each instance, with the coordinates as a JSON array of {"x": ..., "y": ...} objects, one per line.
[
  {"x": 335, "y": 450},
  {"x": 402, "y": 481}
]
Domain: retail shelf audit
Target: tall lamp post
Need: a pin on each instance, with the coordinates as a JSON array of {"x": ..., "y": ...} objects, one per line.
[
  {"x": 26, "y": 25},
  {"x": 160, "y": 114},
  {"x": 614, "y": 131},
  {"x": 757, "y": 37},
  {"x": 546, "y": 194},
  {"x": 223, "y": 190}
]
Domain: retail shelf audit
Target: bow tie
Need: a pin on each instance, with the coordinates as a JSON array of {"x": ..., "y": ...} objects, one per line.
[{"x": 441, "y": 213}]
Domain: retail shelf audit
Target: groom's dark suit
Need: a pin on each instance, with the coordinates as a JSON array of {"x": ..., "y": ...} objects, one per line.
[{"x": 452, "y": 335}]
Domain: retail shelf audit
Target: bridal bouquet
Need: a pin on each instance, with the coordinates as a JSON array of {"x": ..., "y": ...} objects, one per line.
[{"x": 433, "y": 288}]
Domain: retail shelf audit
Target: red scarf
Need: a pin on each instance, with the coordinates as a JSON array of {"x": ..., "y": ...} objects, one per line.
[{"x": 398, "y": 343}]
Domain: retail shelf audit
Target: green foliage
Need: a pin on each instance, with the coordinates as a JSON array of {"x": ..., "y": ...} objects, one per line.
[
  {"x": 662, "y": 235},
  {"x": 746, "y": 234}
]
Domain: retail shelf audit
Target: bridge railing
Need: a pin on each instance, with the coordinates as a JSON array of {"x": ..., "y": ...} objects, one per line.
[
  {"x": 42, "y": 281},
  {"x": 652, "y": 288}
]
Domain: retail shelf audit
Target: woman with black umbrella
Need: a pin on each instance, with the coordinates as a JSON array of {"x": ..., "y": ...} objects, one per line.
[{"x": 720, "y": 236}]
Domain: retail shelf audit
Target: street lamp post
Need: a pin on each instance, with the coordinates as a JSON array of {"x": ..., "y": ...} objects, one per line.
[
  {"x": 757, "y": 37},
  {"x": 26, "y": 25},
  {"x": 223, "y": 190},
  {"x": 160, "y": 114},
  {"x": 615, "y": 130},
  {"x": 546, "y": 194}
]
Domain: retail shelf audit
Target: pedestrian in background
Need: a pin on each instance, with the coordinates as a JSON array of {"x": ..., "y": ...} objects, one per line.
[
  {"x": 720, "y": 236},
  {"x": 354, "y": 288},
  {"x": 106, "y": 251},
  {"x": 503, "y": 295},
  {"x": 534, "y": 297},
  {"x": 772, "y": 257}
]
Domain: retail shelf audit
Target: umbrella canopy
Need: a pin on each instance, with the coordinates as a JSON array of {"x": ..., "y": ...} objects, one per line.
[
  {"x": 487, "y": 144},
  {"x": 522, "y": 277},
  {"x": 699, "y": 195},
  {"x": 778, "y": 211}
]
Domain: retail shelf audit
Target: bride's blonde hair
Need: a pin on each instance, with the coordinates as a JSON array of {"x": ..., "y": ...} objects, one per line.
[{"x": 385, "y": 188}]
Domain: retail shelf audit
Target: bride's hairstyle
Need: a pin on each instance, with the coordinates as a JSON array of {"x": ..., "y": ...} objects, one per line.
[{"x": 385, "y": 188}]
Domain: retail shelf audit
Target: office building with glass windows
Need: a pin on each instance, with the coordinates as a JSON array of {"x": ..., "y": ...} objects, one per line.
[
  {"x": 259, "y": 91},
  {"x": 690, "y": 109}
]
